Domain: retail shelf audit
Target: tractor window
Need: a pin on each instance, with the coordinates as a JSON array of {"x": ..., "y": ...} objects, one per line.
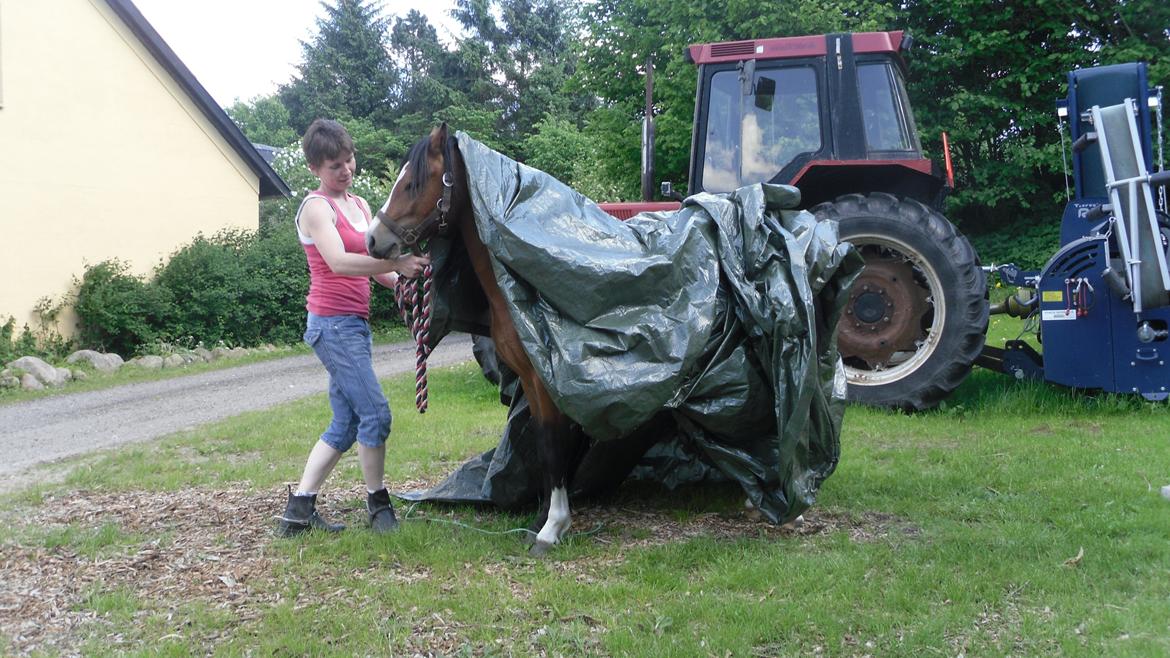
[
  {"x": 881, "y": 108},
  {"x": 750, "y": 138}
]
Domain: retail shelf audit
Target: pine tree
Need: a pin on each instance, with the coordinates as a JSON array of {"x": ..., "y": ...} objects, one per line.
[{"x": 346, "y": 72}]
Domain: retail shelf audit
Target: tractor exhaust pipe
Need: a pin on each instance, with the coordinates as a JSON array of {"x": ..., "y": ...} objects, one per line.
[{"x": 648, "y": 135}]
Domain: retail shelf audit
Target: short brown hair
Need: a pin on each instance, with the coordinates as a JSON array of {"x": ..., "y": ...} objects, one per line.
[{"x": 325, "y": 140}]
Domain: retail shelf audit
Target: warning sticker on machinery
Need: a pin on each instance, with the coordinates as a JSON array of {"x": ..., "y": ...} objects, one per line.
[
  {"x": 1059, "y": 314},
  {"x": 1052, "y": 295}
]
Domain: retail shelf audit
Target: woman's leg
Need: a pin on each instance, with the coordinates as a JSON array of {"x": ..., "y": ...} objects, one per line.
[
  {"x": 373, "y": 461},
  {"x": 322, "y": 458}
]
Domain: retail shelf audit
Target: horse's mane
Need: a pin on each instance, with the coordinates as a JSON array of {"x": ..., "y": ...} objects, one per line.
[{"x": 416, "y": 160}]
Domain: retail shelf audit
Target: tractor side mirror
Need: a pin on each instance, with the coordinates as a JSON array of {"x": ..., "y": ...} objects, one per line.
[
  {"x": 668, "y": 192},
  {"x": 765, "y": 94}
]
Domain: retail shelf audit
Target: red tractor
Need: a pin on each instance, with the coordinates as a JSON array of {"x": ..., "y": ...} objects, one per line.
[{"x": 830, "y": 115}]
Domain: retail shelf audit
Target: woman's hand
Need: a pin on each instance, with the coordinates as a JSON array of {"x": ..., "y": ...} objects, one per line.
[{"x": 411, "y": 266}]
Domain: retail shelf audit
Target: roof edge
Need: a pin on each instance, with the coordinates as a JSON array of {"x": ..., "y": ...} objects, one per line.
[{"x": 271, "y": 184}]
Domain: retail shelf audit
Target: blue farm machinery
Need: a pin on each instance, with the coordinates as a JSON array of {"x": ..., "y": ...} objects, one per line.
[{"x": 1100, "y": 305}]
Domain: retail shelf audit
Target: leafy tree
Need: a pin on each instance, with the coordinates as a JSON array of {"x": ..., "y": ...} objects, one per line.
[
  {"x": 346, "y": 71},
  {"x": 437, "y": 84},
  {"x": 557, "y": 148},
  {"x": 575, "y": 155},
  {"x": 424, "y": 65},
  {"x": 479, "y": 123},
  {"x": 521, "y": 49},
  {"x": 616, "y": 133},
  {"x": 379, "y": 150},
  {"x": 1128, "y": 31},
  {"x": 264, "y": 120},
  {"x": 989, "y": 71}
]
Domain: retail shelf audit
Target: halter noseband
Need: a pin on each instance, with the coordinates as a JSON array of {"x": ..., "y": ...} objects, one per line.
[{"x": 410, "y": 236}]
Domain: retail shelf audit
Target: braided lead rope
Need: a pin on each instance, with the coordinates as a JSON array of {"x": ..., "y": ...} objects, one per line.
[
  {"x": 422, "y": 333},
  {"x": 424, "y": 338},
  {"x": 414, "y": 301}
]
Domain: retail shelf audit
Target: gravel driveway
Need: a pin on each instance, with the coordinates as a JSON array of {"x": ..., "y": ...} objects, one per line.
[{"x": 51, "y": 428}]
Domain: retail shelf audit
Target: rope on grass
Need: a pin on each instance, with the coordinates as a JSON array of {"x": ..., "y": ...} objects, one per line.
[{"x": 459, "y": 524}]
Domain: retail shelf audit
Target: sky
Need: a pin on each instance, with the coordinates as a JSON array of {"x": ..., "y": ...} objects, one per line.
[{"x": 240, "y": 49}]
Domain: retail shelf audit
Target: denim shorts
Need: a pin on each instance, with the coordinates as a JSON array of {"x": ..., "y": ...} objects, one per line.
[{"x": 360, "y": 410}]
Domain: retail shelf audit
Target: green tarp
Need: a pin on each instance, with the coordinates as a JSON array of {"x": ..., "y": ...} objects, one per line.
[{"x": 707, "y": 332}]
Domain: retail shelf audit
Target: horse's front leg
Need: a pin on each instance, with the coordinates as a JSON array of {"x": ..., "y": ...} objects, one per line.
[{"x": 556, "y": 456}]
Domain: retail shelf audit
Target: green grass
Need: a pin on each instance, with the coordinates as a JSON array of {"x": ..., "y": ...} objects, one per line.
[{"x": 949, "y": 532}]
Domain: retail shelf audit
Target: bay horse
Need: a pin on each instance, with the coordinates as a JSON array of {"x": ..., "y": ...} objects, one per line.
[{"x": 430, "y": 198}]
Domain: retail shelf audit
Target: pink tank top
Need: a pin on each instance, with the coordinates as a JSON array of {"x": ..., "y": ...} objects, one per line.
[{"x": 331, "y": 293}]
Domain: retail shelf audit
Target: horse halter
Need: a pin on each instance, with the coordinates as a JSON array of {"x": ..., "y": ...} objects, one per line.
[{"x": 412, "y": 235}]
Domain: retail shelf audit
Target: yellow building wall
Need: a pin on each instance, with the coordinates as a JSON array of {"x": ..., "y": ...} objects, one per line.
[{"x": 102, "y": 155}]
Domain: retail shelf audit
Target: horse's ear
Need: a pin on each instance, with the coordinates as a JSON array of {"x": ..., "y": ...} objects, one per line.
[{"x": 438, "y": 136}]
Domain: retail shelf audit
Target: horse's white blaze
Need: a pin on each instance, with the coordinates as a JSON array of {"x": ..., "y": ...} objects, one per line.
[
  {"x": 558, "y": 517},
  {"x": 386, "y": 206},
  {"x": 401, "y": 173},
  {"x": 376, "y": 221}
]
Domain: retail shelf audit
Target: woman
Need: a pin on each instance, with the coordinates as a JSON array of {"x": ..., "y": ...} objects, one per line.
[{"x": 331, "y": 224}]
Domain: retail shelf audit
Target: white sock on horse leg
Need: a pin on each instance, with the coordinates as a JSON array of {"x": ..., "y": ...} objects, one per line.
[
  {"x": 558, "y": 517},
  {"x": 373, "y": 462},
  {"x": 322, "y": 458}
]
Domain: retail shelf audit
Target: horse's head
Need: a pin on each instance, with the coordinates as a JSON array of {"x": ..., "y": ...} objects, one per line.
[{"x": 421, "y": 200}]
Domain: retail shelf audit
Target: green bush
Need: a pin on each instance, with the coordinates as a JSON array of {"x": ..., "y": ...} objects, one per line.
[
  {"x": 206, "y": 278},
  {"x": 118, "y": 311},
  {"x": 278, "y": 280},
  {"x": 1028, "y": 246},
  {"x": 238, "y": 288},
  {"x": 13, "y": 345}
]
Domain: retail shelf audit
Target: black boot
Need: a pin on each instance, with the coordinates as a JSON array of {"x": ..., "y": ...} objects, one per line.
[
  {"x": 301, "y": 514},
  {"x": 382, "y": 519}
]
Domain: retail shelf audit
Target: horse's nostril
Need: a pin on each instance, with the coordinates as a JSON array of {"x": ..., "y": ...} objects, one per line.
[{"x": 370, "y": 244}]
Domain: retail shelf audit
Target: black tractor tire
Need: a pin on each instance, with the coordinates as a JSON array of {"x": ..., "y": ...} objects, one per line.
[
  {"x": 916, "y": 318},
  {"x": 484, "y": 351}
]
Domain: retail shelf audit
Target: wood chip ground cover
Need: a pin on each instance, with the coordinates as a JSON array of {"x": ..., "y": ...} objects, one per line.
[{"x": 213, "y": 548}]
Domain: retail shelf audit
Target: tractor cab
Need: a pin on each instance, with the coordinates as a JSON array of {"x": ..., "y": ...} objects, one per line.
[{"x": 798, "y": 110}]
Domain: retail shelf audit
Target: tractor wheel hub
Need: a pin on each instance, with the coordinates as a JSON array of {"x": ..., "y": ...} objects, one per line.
[
  {"x": 885, "y": 312},
  {"x": 870, "y": 307}
]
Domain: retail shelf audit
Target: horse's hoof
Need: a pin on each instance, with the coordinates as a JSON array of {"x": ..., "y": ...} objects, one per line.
[
  {"x": 529, "y": 539},
  {"x": 539, "y": 548}
]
